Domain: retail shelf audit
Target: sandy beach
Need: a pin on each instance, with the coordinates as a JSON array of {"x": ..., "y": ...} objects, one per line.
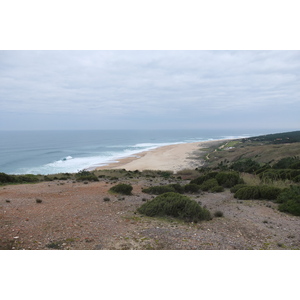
[{"x": 167, "y": 158}]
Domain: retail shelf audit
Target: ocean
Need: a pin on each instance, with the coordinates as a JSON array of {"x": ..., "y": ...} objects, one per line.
[{"x": 50, "y": 152}]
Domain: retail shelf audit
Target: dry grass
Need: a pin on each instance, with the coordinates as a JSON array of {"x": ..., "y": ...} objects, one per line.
[
  {"x": 258, "y": 152},
  {"x": 188, "y": 174},
  {"x": 251, "y": 179}
]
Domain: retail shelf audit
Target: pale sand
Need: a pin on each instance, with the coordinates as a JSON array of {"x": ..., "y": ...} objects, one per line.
[{"x": 167, "y": 158}]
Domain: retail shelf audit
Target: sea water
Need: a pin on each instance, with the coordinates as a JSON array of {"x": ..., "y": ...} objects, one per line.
[{"x": 50, "y": 152}]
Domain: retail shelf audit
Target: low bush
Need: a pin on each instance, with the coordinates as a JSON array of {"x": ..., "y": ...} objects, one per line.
[
  {"x": 160, "y": 189},
  {"x": 177, "y": 187},
  {"x": 245, "y": 165},
  {"x": 27, "y": 178},
  {"x": 262, "y": 169},
  {"x": 218, "y": 214},
  {"x": 91, "y": 177},
  {"x": 199, "y": 180},
  {"x": 209, "y": 184},
  {"x": 5, "y": 178},
  {"x": 247, "y": 192},
  {"x": 121, "y": 188},
  {"x": 279, "y": 174},
  {"x": 269, "y": 175},
  {"x": 165, "y": 174},
  {"x": 235, "y": 188},
  {"x": 258, "y": 192},
  {"x": 175, "y": 205},
  {"x": 192, "y": 188},
  {"x": 289, "y": 200},
  {"x": 217, "y": 189},
  {"x": 229, "y": 179},
  {"x": 296, "y": 179},
  {"x": 47, "y": 178},
  {"x": 295, "y": 165},
  {"x": 269, "y": 192},
  {"x": 86, "y": 176},
  {"x": 286, "y": 163}
]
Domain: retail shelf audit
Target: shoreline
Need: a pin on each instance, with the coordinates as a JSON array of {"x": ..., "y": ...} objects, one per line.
[{"x": 173, "y": 157}]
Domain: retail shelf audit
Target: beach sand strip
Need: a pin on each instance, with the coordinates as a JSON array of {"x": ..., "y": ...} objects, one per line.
[{"x": 167, "y": 158}]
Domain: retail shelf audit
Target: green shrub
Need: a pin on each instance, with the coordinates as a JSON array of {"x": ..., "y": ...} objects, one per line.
[
  {"x": 209, "y": 184},
  {"x": 158, "y": 190},
  {"x": 245, "y": 165},
  {"x": 262, "y": 169},
  {"x": 235, "y": 188},
  {"x": 199, "y": 180},
  {"x": 294, "y": 173},
  {"x": 296, "y": 179},
  {"x": 295, "y": 165},
  {"x": 229, "y": 179},
  {"x": 177, "y": 187},
  {"x": 5, "y": 178},
  {"x": 217, "y": 189},
  {"x": 91, "y": 177},
  {"x": 279, "y": 174},
  {"x": 191, "y": 188},
  {"x": 27, "y": 178},
  {"x": 258, "y": 192},
  {"x": 269, "y": 192},
  {"x": 247, "y": 192},
  {"x": 286, "y": 163},
  {"x": 289, "y": 200},
  {"x": 121, "y": 188},
  {"x": 218, "y": 214},
  {"x": 175, "y": 205},
  {"x": 86, "y": 176},
  {"x": 165, "y": 174},
  {"x": 47, "y": 178}
]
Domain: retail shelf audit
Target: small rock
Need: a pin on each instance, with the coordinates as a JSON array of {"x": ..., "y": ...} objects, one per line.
[{"x": 87, "y": 240}]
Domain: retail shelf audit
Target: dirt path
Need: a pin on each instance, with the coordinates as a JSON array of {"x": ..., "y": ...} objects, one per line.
[{"x": 75, "y": 216}]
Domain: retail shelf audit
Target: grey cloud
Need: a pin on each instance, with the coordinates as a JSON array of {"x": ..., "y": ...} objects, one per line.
[{"x": 170, "y": 85}]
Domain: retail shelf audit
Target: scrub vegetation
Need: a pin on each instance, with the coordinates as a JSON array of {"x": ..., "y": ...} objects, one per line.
[{"x": 177, "y": 206}]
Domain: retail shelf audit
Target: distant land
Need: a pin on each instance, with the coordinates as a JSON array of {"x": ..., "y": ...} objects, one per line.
[{"x": 237, "y": 194}]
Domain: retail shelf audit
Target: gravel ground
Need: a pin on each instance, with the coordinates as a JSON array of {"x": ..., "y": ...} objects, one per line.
[{"x": 75, "y": 216}]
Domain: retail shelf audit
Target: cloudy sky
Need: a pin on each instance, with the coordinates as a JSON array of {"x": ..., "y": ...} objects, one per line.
[{"x": 149, "y": 89}]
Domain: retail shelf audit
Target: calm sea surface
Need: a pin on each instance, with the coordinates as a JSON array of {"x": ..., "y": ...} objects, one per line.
[{"x": 49, "y": 152}]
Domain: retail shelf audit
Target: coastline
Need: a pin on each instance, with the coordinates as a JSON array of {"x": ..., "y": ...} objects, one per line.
[{"x": 174, "y": 158}]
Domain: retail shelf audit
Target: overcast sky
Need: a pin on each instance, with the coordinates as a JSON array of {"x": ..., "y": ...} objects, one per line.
[{"x": 149, "y": 89}]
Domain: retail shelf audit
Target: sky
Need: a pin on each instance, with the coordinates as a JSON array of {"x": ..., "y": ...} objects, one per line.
[{"x": 149, "y": 89}]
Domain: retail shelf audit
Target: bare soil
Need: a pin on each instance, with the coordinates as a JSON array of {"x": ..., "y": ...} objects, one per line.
[{"x": 74, "y": 215}]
